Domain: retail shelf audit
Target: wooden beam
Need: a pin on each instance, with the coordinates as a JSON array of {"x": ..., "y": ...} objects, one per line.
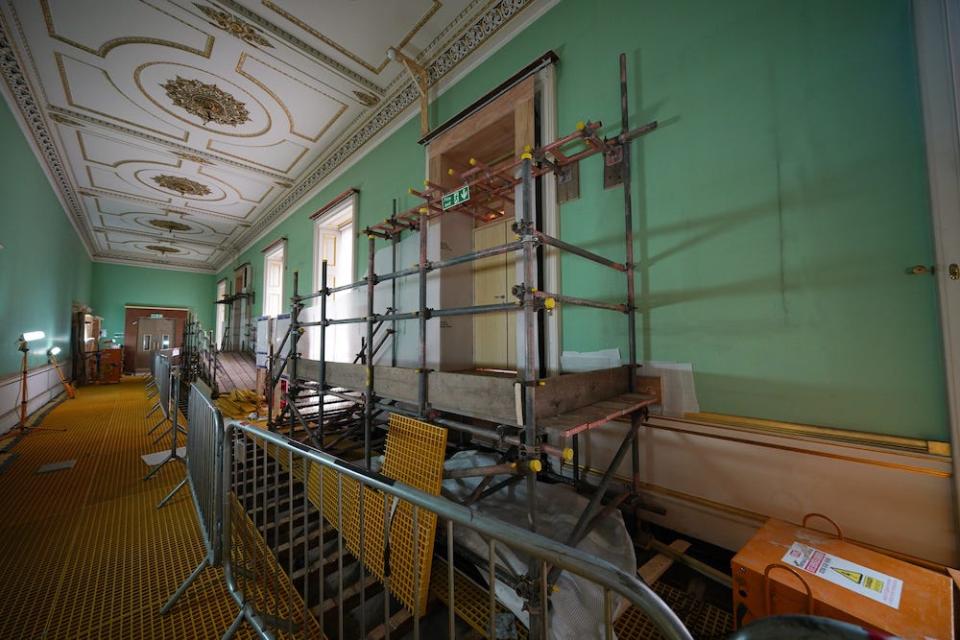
[{"x": 654, "y": 568}]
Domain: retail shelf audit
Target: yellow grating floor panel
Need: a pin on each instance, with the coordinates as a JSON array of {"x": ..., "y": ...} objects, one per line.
[
  {"x": 84, "y": 553},
  {"x": 705, "y": 621},
  {"x": 414, "y": 454},
  {"x": 266, "y": 586},
  {"x": 471, "y": 601}
]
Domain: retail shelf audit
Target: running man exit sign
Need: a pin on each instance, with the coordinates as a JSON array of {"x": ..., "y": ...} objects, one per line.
[{"x": 454, "y": 198}]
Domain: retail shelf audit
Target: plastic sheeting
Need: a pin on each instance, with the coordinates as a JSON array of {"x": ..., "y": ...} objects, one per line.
[{"x": 577, "y": 607}]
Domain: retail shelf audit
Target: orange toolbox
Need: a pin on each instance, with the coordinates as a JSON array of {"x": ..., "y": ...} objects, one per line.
[{"x": 786, "y": 569}]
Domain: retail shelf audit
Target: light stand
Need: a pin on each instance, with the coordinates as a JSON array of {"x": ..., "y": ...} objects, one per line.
[
  {"x": 24, "y": 348},
  {"x": 52, "y": 359}
]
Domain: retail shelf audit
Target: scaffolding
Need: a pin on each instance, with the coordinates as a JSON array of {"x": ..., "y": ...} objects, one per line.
[{"x": 418, "y": 392}]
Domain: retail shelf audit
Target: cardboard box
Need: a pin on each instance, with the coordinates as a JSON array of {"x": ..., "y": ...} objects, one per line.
[{"x": 789, "y": 569}]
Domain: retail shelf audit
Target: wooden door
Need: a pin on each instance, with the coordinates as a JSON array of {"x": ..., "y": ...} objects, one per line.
[
  {"x": 494, "y": 346},
  {"x": 153, "y": 334}
]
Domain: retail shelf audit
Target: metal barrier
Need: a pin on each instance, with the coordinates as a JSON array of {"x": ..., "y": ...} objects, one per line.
[
  {"x": 160, "y": 370},
  {"x": 168, "y": 385},
  {"x": 151, "y": 381},
  {"x": 274, "y": 540},
  {"x": 205, "y": 478}
]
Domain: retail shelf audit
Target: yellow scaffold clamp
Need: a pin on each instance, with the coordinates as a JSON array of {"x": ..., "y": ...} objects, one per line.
[
  {"x": 527, "y": 153},
  {"x": 535, "y": 465}
]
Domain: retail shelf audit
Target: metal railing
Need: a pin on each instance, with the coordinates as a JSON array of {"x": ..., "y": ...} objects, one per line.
[
  {"x": 273, "y": 539},
  {"x": 264, "y": 516},
  {"x": 204, "y": 477},
  {"x": 168, "y": 399},
  {"x": 160, "y": 381}
]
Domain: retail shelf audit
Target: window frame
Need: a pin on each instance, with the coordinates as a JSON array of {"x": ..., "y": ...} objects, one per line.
[
  {"x": 321, "y": 218},
  {"x": 269, "y": 253}
]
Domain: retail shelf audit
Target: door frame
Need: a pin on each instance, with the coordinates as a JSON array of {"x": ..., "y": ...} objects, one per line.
[
  {"x": 545, "y": 100},
  {"x": 133, "y": 312},
  {"x": 936, "y": 28}
]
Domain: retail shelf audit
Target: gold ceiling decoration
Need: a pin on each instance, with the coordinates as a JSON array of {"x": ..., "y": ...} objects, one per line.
[
  {"x": 234, "y": 26},
  {"x": 59, "y": 119},
  {"x": 162, "y": 249},
  {"x": 367, "y": 99},
  {"x": 281, "y": 183},
  {"x": 206, "y": 101},
  {"x": 191, "y": 157},
  {"x": 170, "y": 225},
  {"x": 183, "y": 186}
]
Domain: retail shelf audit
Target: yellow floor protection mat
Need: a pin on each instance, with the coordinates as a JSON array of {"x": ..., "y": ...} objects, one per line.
[{"x": 84, "y": 553}]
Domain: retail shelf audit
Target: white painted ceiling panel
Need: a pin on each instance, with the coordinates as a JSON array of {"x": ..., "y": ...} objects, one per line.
[{"x": 177, "y": 130}]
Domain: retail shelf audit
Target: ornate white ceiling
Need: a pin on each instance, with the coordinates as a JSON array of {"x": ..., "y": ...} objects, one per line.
[{"x": 176, "y": 131}]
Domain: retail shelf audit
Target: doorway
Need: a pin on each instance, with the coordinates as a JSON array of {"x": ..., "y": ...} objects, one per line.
[
  {"x": 493, "y": 136},
  {"x": 153, "y": 334},
  {"x": 147, "y": 329}
]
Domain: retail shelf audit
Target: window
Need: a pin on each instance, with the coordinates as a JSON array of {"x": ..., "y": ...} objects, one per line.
[
  {"x": 165, "y": 342},
  {"x": 145, "y": 345},
  {"x": 273, "y": 259},
  {"x": 221, "y": 311},
  {"x": 333, "y": 241}
]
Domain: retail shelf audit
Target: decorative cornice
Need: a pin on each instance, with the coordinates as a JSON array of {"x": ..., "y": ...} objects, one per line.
[
  {"x": 234, "y": 26},
  {"x": 19, "y": 88},
  {"x": 479, "y": 31},
  {"x": 138, "y": 260}
]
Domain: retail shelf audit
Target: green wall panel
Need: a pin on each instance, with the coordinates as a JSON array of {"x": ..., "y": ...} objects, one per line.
[
  {"x": 776, "y": 207},
  {"x": 43, "y": 266},
  {"x": 116, "y": 286}
]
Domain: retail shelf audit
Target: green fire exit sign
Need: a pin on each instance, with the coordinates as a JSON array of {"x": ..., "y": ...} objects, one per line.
[{"x": 454, "y": 198}]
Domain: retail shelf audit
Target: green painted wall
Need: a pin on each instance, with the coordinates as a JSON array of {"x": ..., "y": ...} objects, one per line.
[
  {"x": 43, "y": 265},
  {"x": 115, "y": 286},
  {"x": 776, "y": 208}
]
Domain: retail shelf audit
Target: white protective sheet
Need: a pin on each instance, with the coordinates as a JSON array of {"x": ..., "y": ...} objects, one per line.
[{"x": 577, "y": 607}]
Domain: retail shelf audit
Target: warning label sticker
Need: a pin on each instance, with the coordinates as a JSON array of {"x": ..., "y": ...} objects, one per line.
[{"x": 849, "y": 575}]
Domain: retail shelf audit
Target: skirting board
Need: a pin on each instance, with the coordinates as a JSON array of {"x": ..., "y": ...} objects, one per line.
[
  {"x": 719, "y": 483},
  {"x": 43, "y": 385}
]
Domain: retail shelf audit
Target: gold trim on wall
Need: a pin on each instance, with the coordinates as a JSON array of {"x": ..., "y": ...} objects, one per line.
[
  {"x": 812, "y": 452},
  {"x": 829, "y": 433},
  {"x": 350, "y": 54}
]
